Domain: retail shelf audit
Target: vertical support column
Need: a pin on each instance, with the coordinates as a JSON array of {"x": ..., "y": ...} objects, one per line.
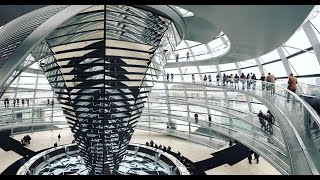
[
  {"x": 259, "y": 65},
  {"x": 204, "y": 91},
  {"x": 218, "y": 69},
  {"x": 307, "y": 27},
  {"x": 249, "y": 103},
  {"x": 149, "y": 123},
  {"x": 206, "y": 98},
  {"x": 247, "y": 97},
  {"x": 238, "y": 68},
  {"x": 221, "y": 76},
  {"x": 105, "y": 167},
  {"x": 166, "y": 91},
  {"x": 284, "y": 60},
  {"x": 209, "y": 50},
  {"x": 200, "y": 74},
  {"x": 34, "y": 102},
  {"x": 15, "y": 96},
  {"x": 228, "y": 104},
  {"x": 223, "y": 39},
  {"x": 287, "y": 67},
  {"x": 167, "y": 96},
  {"x": 193, "y": 57},
  {"x": 225, "y": 93},
  {"x": 52, "y": 112},
  {"x": 185, "y": 98}
]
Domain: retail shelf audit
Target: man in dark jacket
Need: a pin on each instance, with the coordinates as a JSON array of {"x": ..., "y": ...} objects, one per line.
[
  {"x": 250, "y": 155},
  {"x": 196, "y": 117},
  {"x": 256, "y": 157}
]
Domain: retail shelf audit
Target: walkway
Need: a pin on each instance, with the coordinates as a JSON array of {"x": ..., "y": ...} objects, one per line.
[{"x": 302, "y": 152}]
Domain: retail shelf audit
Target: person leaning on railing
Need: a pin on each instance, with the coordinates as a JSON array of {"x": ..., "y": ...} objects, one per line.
[
  {"x": 236, "y": 78},
  {"x": 218, "y": 78},
  {"x": 292, "y": 85},
  {"x": 263, "y": 83},
  {"x": 271, "y": 121},
  {"x": 254, "y": 80},
  {"x": 271, "y": 79},
  {"x": 243, "y": 80},
  {"x": 248, "y": 81},
  {"x": 205, "y": 79},
  {"x": 262, "y": 120},
  {"x": 224, "y": 79}
]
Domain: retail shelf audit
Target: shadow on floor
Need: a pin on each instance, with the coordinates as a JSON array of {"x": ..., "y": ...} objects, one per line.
[{"x": 231, "y": 156}]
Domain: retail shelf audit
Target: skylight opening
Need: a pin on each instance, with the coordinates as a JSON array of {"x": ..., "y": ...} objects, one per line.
[{"x": 184, "y": 12}]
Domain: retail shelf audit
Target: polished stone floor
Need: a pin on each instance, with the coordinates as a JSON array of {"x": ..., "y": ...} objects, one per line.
[{"x": 194, "y": 152}]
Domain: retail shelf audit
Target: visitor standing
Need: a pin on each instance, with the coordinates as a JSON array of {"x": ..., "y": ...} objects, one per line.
[
  {"x": 218, "y": 78},
  {"x": 188, "y": 54},
  {"x": 196, "y": 117},
  {"x": 292, "y": 85}
]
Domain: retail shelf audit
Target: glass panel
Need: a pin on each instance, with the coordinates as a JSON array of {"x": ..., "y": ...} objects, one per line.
[
  {"x": 43, "y": 80},
  {"x": 208, "y": 68},
  {"x": 172, "y": 70},
  {"x": 180, "y": 112},
  {"x": 305, "y": 63},
  {"x": 203, "y": 55},
  {"x": 228, "y": 66},
  {"x": 181, "y": 45},
  {"x": 27, "y": 86},
  {"x": 46, "y": 87},
  {"x": 285, "y": 51},
  {"x": 190, "y": 69},
  {"x": 254, "y": 70},
  {"x": 25, "y": 95},
  {"x": 247, "y": 63},
  {"x": 192, "y": 43},
  {"x": 27, "y": 80},
  {"x": 316, "y": 31},
  {"x": 215, "y": 43},
  {"x": 307, "y": 88},
  {"x": 277, "y": 69},
  {"x": 298, "y": 40},
  {"x": 34, "y": 66},
  {"x": 41, "y": 94},
  {"x": 290, "y": 50},
  {"x": 182, "y": 54},
  {"x": 273, "y": 55},
  {"x": 230, "y": 72},
  {"x": 257, "y": 107},
  {"x": 184, "y": 12},
  {"x": 311, "y": 80},
  {"x": 27, "y": 74},
  {"x": 199, "y": 49}
]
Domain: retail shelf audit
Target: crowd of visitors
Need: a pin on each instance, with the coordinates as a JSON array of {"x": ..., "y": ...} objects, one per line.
[
  {"x": 248, "y": 81},
  {"x": 189, "y": 164},
  {"x": 16, "y": 101}
]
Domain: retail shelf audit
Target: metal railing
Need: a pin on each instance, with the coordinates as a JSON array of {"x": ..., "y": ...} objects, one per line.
[{"x": 288, "y": 113}]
